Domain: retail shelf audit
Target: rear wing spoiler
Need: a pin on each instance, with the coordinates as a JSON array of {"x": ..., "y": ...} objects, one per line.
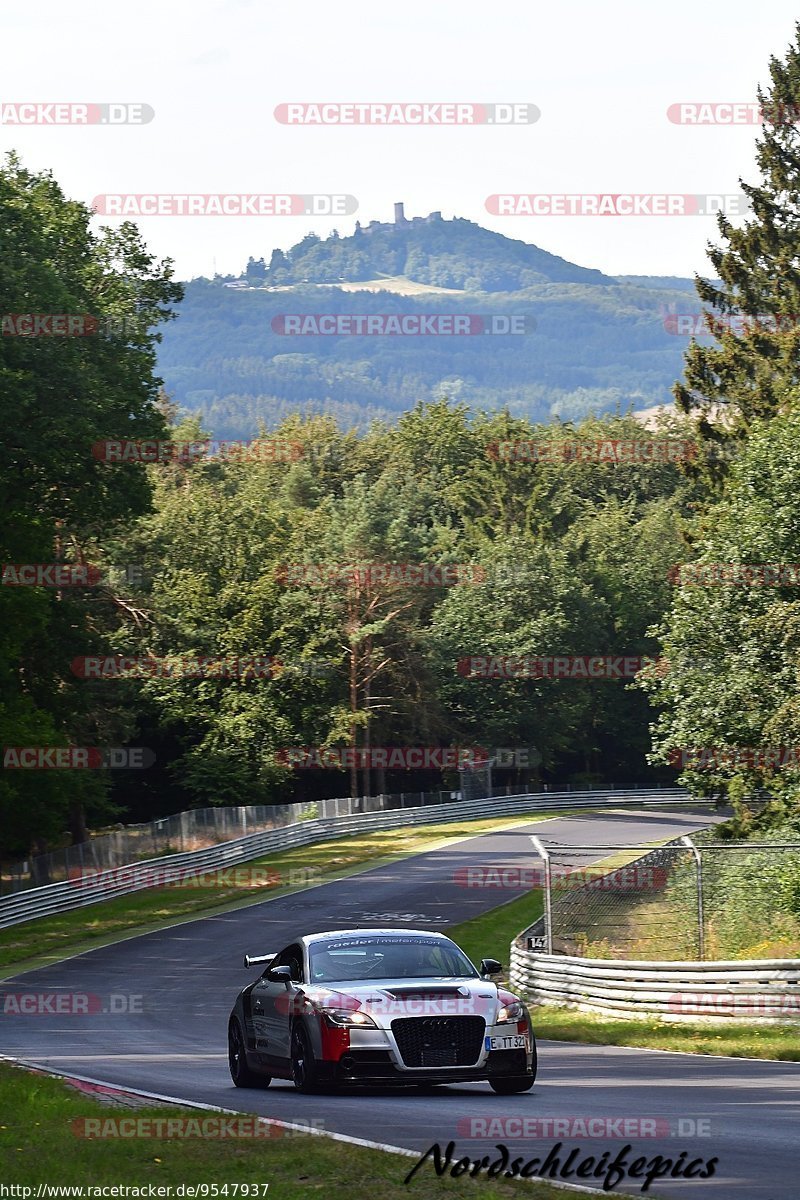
[{"x": 252, "y": 960}]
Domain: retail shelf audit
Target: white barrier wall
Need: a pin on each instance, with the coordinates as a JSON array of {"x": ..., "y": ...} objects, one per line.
[{"x": 760, "y": 991}]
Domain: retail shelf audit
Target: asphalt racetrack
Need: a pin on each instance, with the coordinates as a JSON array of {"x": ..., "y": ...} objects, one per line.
[{"x": 181, "y": 983}]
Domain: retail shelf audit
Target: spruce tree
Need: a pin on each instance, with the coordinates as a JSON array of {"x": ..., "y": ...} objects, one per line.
[{"x": 754, "y": 362}]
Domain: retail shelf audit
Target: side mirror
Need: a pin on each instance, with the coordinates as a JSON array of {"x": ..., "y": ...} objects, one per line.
[
  {"x": 279, "y": 974},
  {"x": 490, "y": 966}
]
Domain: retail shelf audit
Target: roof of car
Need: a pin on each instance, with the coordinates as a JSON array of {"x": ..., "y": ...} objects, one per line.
[{"x": 369, "y": 932}]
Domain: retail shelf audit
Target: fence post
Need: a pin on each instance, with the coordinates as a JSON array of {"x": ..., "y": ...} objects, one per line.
[
  {"x": 548, "y": 911},
  {"x": 701, "y": 934}
]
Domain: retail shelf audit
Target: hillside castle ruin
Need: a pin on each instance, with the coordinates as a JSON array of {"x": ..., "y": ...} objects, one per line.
[{"x": 400, "y": 219}]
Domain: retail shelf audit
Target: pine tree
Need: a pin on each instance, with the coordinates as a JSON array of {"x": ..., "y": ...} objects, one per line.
[{"x": 755, "y": 360}]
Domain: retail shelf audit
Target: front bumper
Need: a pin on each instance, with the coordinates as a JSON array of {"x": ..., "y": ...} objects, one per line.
[
  {"x": 373, "y": 1056},
  {"x": 377, "y": 1066}
]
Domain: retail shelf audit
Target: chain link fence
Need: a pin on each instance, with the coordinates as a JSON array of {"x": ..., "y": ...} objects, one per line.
[
  {"x": 199, "y": 828},
  {"x": 194, "y": 830},
  {"x": 691, "y": 899}
]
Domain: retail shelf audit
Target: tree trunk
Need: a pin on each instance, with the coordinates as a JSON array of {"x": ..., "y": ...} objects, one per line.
[
  {"x": 367, "y": 775},
  {"x": 40, "y": 865},
  {"x": 353, "y": 728},
  {"x": 77, "y": 823}
]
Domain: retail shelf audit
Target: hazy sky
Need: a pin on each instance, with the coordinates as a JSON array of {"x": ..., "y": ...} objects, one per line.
[{"x": 603, "y": 76}]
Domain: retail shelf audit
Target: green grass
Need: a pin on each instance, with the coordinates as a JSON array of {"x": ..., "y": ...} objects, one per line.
[
  {"x": 38, "y": 1145},
  {"x": 490, "y": 935},
  {"x": 779, "y": 1042},
  {"x": 48, "y": 939}
]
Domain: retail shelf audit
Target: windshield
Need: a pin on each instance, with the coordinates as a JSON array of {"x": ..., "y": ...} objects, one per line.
[{"x": 387, "y": 958}]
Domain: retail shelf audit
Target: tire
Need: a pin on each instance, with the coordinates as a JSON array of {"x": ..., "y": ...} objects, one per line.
[
  {"x": 241, "y": 1074},
  {"x": 305, "y": 1075}
]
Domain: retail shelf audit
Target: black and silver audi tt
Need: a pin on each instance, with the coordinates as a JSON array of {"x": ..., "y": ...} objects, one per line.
[{"x": 378, "y": 1006}]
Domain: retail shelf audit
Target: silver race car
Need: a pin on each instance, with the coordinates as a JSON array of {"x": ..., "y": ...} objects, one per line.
[{"x": 378, "y": 1006}]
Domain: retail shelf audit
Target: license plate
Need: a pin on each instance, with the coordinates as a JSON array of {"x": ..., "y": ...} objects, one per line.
[{"x": 514, "y": 1041}]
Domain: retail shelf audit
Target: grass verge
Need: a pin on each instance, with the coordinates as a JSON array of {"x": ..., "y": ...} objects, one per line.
[
  {"x": 779, "y": 1042},
  {"x": 48, "y": 939},
  {"x": 38, "y": 1144},
  {"x": 491, "y": 935}
]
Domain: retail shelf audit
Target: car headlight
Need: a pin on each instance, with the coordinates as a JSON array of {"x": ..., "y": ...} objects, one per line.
[
  {"x": 511, "y": 1012},
  {"x": 346, "y": 1018}
]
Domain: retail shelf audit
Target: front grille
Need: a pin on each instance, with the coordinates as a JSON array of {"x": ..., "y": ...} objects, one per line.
[{"x": 439, "y": 1041}]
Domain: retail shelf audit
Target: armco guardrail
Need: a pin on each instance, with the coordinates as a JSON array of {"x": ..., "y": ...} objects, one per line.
[
  {"x": 194, "y": 829},
  {"x": 756, "y": 991},
  {"x": 71, "y": 894}
]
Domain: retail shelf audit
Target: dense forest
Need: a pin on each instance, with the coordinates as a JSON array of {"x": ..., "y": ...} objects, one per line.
[
  {"x": 348, "y": 571},
  {"x": 593, "y": 344}
]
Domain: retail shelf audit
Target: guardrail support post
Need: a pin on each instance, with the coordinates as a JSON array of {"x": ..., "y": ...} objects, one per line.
[
  {"x": 548, "y": 911},
  {"x": 701, "y": 933}
]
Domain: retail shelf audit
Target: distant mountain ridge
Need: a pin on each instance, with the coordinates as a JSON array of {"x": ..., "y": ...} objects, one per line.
[
  {"x": 446, "y": 253},
  {"x": 594, "y": 343}
]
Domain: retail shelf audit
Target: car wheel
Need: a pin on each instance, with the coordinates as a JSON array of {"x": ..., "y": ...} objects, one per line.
[
  {"x": 304, "y": 1066},
  {"x": 241, "y": 1074}
]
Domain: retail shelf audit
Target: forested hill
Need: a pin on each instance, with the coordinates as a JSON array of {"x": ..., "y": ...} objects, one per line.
[
  {"x": 451, "y": 254},
  {"x": 593, "y": 343}
]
